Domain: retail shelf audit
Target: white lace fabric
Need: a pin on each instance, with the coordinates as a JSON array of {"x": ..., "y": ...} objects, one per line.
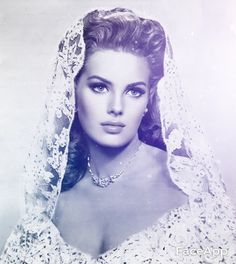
[{"x": 207, "y": 221}]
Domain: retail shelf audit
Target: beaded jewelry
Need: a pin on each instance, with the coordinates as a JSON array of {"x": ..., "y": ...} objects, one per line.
[{"x": 106, "y": 181}]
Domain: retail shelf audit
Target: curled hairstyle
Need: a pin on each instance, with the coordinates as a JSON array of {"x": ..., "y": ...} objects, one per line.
[{"x": 121, "y": 30}]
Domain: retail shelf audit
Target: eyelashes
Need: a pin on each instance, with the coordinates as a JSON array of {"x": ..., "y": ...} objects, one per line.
[
  {"x": 98, "y": 87},
  {"x": 102, "y": 88},
  {"x": 135, "y": 92}
]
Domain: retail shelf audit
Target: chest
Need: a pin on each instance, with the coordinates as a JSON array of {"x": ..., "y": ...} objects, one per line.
[{"x": 97, "y": 223}]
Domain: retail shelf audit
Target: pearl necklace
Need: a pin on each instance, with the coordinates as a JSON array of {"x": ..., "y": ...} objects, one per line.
[{"x": 106, "y": 181}]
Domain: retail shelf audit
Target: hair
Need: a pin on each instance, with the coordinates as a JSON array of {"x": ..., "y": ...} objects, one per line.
[{"x": 120, "y": 29}]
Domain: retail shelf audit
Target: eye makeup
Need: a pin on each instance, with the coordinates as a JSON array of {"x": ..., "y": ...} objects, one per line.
[
  {"x": 135, "y": 92},
  {"x": 100, "y": 85}
]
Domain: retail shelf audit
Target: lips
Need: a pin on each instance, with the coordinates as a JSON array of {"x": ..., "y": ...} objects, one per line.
[
  {"x": 113, "y": 123},
  {"x": 112, "y": 127}
]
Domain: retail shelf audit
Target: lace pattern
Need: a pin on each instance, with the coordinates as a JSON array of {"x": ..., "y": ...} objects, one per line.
[
  {"x": 209, "y": 220},
  {"x": 48, "y": 156},
  {"x": 37, "y": 240}
]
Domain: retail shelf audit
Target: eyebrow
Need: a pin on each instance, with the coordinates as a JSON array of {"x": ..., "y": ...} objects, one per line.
[
  {"x": 110, "y": 83},
  {"x": 99, "y": 78}
]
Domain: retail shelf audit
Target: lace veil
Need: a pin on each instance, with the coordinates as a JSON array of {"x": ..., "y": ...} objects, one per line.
[{"x": 190, "y": 161}]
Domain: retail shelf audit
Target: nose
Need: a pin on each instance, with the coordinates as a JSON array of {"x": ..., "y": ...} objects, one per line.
[{"x": 115, "y": 106}]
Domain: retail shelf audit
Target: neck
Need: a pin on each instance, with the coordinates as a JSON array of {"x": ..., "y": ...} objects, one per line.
[{"x": 107, "y": 161}]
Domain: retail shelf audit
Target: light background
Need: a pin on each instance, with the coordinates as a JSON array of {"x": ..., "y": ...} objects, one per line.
[{"x": 203, "y": 35}]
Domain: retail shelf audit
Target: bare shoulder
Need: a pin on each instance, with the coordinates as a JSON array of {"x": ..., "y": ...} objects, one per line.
[
  {"x": 154, "y": 158},
  {"x": 156, "y": 163},
  {"x": 154, "y": 153}
]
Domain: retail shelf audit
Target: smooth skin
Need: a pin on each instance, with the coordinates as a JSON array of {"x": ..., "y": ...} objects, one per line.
[{"x": 114, "y": 87}]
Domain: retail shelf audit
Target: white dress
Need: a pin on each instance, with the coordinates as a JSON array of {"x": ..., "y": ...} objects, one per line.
[
  {"x": 177, "y": 237},
  {"x": 202, "y": 231}
]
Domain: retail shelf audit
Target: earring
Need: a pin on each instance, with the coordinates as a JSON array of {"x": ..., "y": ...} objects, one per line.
[{"x": 145, "y": 111}]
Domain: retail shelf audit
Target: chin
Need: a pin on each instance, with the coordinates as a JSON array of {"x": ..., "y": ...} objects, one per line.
[{"x": 113, "y": 142}]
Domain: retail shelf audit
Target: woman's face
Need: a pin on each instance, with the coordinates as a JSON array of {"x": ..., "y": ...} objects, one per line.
[{"x": 111, "y": 96}]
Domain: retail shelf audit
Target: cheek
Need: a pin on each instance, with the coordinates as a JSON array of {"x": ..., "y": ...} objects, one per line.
[
  {"x": 136, "y": 114},
  {"x": 83, "y": 109},
  {"x": 84, "y": 102},
  {"x": 90, "y": 110},
  {"x": 136, "y": 109}
]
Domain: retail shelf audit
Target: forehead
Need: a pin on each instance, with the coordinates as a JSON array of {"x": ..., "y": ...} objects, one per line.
[{"x": 115, "y": 65}]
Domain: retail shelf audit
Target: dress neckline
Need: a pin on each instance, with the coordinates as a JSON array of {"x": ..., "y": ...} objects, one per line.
[{"x": 176, "y": 210}]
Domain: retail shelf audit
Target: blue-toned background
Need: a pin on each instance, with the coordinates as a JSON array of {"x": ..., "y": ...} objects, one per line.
[{"x": 203, "y": 34}]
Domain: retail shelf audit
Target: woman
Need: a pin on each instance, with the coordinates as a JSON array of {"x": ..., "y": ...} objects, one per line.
[{"x": 138, "y": 184}]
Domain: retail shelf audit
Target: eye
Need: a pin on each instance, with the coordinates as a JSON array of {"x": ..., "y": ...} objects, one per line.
[
  {"x": 136, "y": 92},
  {"x": 98, "y": 87}
]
